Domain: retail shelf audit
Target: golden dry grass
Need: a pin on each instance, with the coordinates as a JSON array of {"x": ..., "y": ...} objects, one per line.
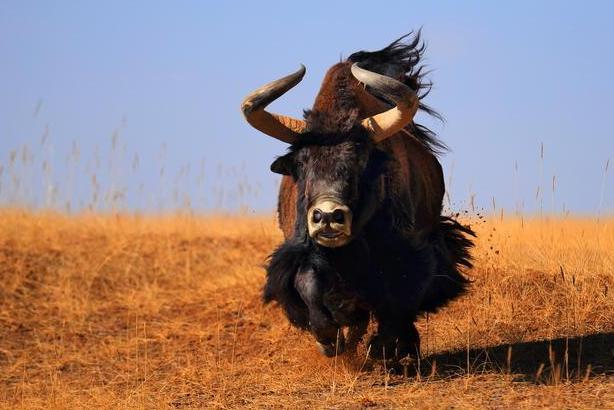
[{"x": 130, "y": 312}]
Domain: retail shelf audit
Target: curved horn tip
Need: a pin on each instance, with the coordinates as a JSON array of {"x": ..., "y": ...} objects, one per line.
[
  {"x": 354, "y": 67},
  {"x": 281, "y": 127},
  {"x": 298, "y": 74},
  {"x": 303, "y": 68},
  {"x": 254, "y": 100},
  {"x": 387, "y": 123},
  {"x": 358, "y": 72}
]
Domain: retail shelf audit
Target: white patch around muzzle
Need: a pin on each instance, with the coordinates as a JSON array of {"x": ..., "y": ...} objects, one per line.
[{"x": 330, "y": 223}]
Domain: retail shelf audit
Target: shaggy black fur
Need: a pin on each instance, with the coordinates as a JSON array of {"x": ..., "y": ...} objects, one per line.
[
  {"x": 393, "y": 277},
  {"x": 283, "y": 265}
]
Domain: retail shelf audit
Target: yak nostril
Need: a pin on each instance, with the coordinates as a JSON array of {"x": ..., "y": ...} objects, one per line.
[
  {"x": 317, "y": 216},
  {"x": 339, "y": 216}
]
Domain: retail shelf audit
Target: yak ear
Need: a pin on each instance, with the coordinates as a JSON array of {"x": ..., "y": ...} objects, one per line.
[{"x": 284, "y": 165}]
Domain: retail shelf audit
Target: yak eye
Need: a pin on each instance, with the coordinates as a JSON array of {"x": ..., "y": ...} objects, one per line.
[
  {"x": 317, "y": 216},
  {"x": 338, "y": 216}
]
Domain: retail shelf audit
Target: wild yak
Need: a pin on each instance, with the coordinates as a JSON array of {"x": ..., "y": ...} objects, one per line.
[{"x": 360, "y": 205}]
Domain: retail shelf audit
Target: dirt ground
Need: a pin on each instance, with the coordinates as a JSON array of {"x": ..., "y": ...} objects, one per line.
[{"x": 107, "y": 311}]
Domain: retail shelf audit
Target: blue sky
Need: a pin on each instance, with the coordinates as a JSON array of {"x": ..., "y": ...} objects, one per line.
[{"x": 164, "y": 81}]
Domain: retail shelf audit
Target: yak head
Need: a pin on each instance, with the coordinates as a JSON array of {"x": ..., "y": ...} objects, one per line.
[
  {"x": 335, "y": 159},
  {"x": 339, "y": 183}
]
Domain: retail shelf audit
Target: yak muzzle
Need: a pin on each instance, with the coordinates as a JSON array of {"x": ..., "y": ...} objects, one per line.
[{"x": 330, "y": 223}]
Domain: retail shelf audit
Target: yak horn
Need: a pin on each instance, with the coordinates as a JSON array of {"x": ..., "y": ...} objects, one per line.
[
  {"x": 387, "y": 123},
  {"x": 286, "y": 129}
]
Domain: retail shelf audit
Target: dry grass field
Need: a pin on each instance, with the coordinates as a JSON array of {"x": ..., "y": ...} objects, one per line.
[{"x": 154, "y": 312}]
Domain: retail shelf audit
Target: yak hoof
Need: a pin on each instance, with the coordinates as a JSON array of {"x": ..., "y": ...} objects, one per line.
[
  {"x": 408, "y": 348},
  {"x": 381, "y": 347},
  {"x": 331, "y": 349}
]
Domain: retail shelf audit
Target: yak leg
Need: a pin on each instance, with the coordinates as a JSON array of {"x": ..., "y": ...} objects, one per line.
[
  {"x": 408, "y": 343},
  {"x": 355, "y": 334},
  {"x": 395, "y": 339},
  {"x": 326, "y": 331},
  {"x": 383, "y": 343}
]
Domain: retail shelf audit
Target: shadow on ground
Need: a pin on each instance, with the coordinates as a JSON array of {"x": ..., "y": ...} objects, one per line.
[{"x": 543, "y": 361}]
